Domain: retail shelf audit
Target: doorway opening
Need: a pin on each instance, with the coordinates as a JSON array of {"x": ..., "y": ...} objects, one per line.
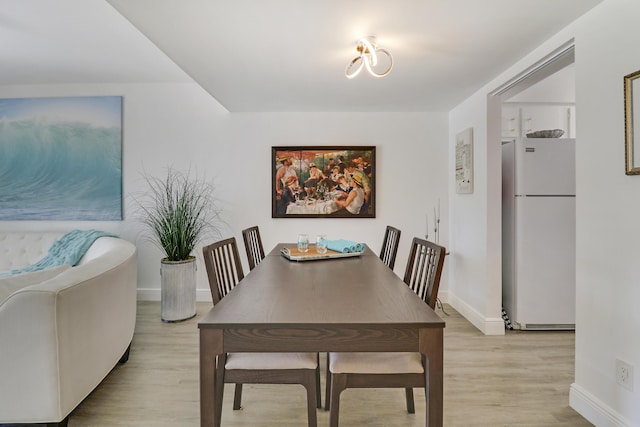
[{"x": 526, "y": 103}]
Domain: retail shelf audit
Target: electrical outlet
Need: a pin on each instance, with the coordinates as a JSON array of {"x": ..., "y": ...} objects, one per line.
[{"x": 624, "y": 374}]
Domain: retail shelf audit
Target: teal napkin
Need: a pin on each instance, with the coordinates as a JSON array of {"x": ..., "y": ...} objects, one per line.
[{"x": 345, "y": 246}]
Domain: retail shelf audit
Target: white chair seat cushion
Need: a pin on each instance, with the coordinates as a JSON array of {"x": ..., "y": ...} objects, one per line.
[
  {"x": 375, "y": 363},
  {"x": 271, "y": 361}
]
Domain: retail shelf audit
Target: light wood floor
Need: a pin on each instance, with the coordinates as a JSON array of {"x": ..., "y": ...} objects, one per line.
[{"x": 520, "y": 379}]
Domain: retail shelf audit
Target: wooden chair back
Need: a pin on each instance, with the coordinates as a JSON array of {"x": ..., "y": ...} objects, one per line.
[
  {"x": 253, "y": 246},
  {"x": 424, "y": 268},
  {"x": 371, "y": 370},
  {"x": 224, "y": 269},
  {"x": 390, "y": 246}
]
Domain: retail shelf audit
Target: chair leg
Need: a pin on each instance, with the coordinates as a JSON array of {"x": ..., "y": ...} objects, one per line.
[
  {"x": 410, "y": 406},
  {"x": 318, "y": 392},
  {"x": 312, "y": 399},
  {"x": 338, "y": 384},
  {"x": 327, "y": 386},
  {"x": 237, "y": 397}
]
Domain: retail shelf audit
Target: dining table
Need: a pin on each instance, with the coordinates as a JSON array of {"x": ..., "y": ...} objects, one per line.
[{"x": 347, "y": 304}]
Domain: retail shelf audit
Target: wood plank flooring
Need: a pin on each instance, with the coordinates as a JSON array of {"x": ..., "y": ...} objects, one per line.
[{"x": 520, "y": 379}]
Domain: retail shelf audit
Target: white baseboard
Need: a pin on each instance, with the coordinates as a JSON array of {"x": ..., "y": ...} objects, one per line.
[
  {"x": 153, "y": 294},
  {"x": 594, "y": 410},
  {"x": 487, "y": 325}
]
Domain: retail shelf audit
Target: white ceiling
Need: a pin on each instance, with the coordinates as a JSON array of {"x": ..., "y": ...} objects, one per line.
[
  {"x": 279, "y": 55},
  {"x": 76, "y": 41}
]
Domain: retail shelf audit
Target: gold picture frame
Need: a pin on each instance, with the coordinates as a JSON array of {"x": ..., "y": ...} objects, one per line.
[{"x": 631, "y": 115}]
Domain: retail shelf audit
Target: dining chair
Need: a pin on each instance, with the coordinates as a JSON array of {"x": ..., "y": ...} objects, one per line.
[
  {"x": 253, "y": 246},
  {"x": 390, "y": 246},
  {"x": 224, "y": 272},
  {"x": 389, "y": 370}
]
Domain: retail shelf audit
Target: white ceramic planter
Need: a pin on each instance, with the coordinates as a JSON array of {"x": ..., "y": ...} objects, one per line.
[{"x": 178, "y": 294}]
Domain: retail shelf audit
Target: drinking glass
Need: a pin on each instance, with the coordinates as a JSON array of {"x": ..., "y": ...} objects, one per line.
[
  {"x": 321, "y": 244},
  {"x": 303, "y": 242}
]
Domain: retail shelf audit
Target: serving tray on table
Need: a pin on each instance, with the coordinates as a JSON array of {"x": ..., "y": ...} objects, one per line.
[{"x": 293, "y": 254}]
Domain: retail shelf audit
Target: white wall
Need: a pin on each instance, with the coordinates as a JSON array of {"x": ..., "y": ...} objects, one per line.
[
  {"x": 182, "y": 126},
  {"x": 476, "y": 262},
  {"x": 608, "y": 290},
  {"x": 560, "y": 87},
  {"x": 608, "y": 271}
]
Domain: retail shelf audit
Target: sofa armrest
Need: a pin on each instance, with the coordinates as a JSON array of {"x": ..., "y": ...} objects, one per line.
[
  {"x": 60, "y": 338},
  {"x": 28, "y": 353}
]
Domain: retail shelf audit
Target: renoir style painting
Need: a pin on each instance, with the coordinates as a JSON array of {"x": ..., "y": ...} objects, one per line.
[
  {"x": 61, "y": 158},
  {"x": 329, "y": 181}
]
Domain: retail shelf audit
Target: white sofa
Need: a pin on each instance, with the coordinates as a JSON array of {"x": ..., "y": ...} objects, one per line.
[{"x": 59, "y": 338}]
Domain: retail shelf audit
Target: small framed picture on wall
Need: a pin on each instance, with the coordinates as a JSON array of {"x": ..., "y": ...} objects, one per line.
[{"x": 464, "y": 162}]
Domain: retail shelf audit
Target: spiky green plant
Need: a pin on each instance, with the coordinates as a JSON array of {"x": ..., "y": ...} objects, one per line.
[{"x": 179, "y": 212}]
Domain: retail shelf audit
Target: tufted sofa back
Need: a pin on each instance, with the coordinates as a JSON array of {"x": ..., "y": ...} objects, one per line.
[{"x": 18, "y": 250}]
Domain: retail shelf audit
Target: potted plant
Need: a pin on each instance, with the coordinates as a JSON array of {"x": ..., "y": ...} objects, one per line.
[{"x": 179, "y": 211}]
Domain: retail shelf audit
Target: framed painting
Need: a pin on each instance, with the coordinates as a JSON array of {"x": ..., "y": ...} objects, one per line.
[
  {"x": 464, "y": 162},
  {"x": 325, "y": 181},
  {"x": 61, "y": 158}
]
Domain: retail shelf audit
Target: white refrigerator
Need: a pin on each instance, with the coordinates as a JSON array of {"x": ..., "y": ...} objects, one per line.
[{"x": 538, "y": 233}]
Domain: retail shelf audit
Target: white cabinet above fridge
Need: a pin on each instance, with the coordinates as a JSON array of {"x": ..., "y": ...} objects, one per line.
[{"x": 519, "y": 119}]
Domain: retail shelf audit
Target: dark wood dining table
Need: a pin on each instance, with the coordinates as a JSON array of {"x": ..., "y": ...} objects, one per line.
[{"x": 346, "y": 304}]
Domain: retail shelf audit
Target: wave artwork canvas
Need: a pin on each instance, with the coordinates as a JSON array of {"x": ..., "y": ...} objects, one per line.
[{"x": 61, "y": 158}]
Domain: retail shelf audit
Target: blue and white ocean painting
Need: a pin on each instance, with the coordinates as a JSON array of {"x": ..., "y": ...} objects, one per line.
[{"x": 61, "y": 158}]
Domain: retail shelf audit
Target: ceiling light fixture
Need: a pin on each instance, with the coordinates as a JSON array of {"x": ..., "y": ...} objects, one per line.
[{"x": 368, "y": 53}]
